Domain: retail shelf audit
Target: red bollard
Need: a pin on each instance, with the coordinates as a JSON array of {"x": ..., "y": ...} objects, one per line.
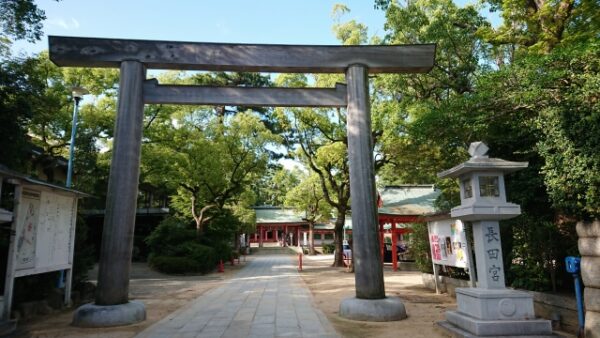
[
  {"x": 300, "y": 262},
  {"x": 221, "y": 266}
]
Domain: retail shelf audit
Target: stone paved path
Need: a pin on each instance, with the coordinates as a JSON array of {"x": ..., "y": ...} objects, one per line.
[{"x": 265, "y": 299}]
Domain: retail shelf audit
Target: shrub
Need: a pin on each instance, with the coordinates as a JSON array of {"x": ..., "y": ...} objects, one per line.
[
  {"x": 328, "y": 248},
  {"x": 420, "y": 247},
  {"x": 173, "y": 264},
  {"x": 167, "y": 238},
  {"x": 204, "y": 256},
  {"x": 175, "y": 249},
  {"x": 223, "y": 250}
]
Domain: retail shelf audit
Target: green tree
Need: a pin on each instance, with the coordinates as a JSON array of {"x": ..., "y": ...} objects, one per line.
[
  {"x": 307, "y": 198},
  {"x": 19, "y": 87},
  {"x": 526, "y": 107},
  {"x": 540, "y": 26},
  {"x": 273, "y": 187},
  {"x": 20, "y": 20},
  {"x": 209, "y": 167}
]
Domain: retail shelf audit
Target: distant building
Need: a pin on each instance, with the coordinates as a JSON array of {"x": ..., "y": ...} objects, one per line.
[{"x": 400, "y": 205}]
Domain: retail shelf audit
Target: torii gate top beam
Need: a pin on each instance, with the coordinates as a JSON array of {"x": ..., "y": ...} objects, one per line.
[{"x": 95, "y": 52}]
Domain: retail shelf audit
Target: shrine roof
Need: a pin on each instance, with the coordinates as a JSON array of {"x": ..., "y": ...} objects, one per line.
[
  {"x": 408, "y": 199},
  {"x": 272, "y": 214}
]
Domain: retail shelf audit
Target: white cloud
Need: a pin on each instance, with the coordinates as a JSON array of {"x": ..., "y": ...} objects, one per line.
[{"x": 67, "y": 24}]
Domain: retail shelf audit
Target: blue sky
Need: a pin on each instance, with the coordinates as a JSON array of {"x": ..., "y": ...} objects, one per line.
[{"x": 243, "y": 21}]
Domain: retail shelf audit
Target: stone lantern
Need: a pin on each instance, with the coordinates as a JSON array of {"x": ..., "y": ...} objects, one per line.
[{"x": 490, "y": 309}]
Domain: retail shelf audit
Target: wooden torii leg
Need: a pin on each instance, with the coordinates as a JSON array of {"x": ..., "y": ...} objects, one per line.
[
  {"x": 121, "y": 200},
  {"x": 368, "y": 272}
]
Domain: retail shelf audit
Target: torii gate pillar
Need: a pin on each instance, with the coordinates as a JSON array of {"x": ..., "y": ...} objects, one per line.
[{"x": 370, "y": 303}]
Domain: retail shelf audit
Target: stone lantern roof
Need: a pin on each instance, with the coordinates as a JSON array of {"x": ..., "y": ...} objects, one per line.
[{"x": 479, "y": 161}]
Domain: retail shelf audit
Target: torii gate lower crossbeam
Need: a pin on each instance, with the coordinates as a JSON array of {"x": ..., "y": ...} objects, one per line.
[{"x": 112, "y": 306}]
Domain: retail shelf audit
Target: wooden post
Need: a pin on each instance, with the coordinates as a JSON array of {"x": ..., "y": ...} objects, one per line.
[
  {"x": 435, "y": 279},
  {"x": 69, "y": 272},
  {"x": 368, "y": 270},
  {"x": 394, "y": 248},
  {"x": 469, "y": 252},
  {"x": 11, "y": 262},
  {"x": 298, "y": 236},
  {"x": 262, "y": 236},
  {"x": 121, "y": 200}
]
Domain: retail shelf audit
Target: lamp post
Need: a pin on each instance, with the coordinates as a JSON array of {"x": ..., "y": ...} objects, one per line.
[{"x": 77, "y": 93}]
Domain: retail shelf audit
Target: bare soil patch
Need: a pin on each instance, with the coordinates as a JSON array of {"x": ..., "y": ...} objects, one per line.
[
  {"x": 162, "y": 294},
  {"x": 330, "y": 285}
]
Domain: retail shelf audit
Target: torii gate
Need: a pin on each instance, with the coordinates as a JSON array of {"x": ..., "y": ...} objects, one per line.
[{"x": 133, "y": 57}]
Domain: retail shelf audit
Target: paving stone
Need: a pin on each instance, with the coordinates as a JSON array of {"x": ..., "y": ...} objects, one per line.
[{"x": 265, "y": 299}]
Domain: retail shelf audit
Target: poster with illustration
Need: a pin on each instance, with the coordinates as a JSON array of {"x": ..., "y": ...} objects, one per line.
[
  {"x": 26, "y": 229},
  {"x": 435, "y": 247},
  {"x": 448, "y": 243}
]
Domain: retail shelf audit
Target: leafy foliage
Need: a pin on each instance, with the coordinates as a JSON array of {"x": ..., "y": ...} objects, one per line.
[
  {"x": 328, "y": 248},
  {"x": 19, "y": 20},
  {"x": 420, "y": 247},
  {"x": 175, "y": 249},
  {"x": 19, "y": 88}
]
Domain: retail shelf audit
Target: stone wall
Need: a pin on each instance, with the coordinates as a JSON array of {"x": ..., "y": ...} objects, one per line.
[
  {"x": 445, "y": 284},
  {"x": 589, "y": 248},
  {"x": 560, "y": 309}
]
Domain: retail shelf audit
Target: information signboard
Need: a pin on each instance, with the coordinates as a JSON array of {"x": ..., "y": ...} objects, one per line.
[
  {"x": 448, "y": 243},
  {"x": 45, "y": 228}
]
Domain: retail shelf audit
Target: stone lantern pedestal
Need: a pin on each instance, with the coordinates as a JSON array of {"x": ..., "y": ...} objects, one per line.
[{"x": 490, "y": 309}]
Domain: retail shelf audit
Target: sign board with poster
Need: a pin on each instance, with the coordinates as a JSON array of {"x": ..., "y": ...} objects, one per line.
[
  {"x": 45, "y": 231},
  {"x": 448, "y": 243},
  {"x": 43, "y": 219}
]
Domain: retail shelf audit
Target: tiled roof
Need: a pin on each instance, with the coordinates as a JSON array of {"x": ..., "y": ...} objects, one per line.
[
  {"x": 408, "y": 199},
  {"x": 270, "y": 214}
]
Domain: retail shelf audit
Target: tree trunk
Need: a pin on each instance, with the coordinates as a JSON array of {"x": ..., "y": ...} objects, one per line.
[
  {"x": 198, "y": 228},
  {"x": 311, "y": 234},
  {"x": 338, "y": 239},
  {"x": 236, "y": 242}
]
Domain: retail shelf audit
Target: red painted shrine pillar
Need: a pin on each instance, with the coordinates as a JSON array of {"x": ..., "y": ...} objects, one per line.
[
  {"x": 394, "y": 248},
  {"x": 381, "y": 243},
  {"x": 277, "y": 235}
]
